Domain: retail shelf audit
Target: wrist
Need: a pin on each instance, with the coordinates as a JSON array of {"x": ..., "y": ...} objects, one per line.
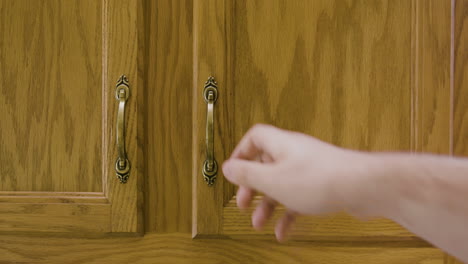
[{"x": 368, "y": 190}]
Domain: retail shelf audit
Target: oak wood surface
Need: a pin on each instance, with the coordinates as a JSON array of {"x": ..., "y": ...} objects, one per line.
[
  {"x": 209, "y": 59},
  {"x": 333, "y": 227},
  {"x": 169, "y": 182},
  {"x": 338, "y": 71},
  {"x": 460, "y": 79},
  {"x": 69, "y": 61},
  {"x": 432, "y": 79},
  {"x": 50, "y": 96},
  {"x": 459, "y": 89},
  {"x": 432, "y": 76},
  {"x": 120, "y": 36},
  {"x": 451, "y": 260},
  {"x": 168, "y": 197},
  {"x": 55, "y": 218},
  {"x": 179, "y": 248},
  {"x": 52, "y": 197},
  {"x": 142, "y": 26},
  {"x": 395, "y": 97}
]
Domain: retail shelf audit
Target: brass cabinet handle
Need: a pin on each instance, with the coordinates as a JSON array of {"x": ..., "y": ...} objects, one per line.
[
  {"x": 122, "y": 165},
  {"x": 210, "y": 166}
]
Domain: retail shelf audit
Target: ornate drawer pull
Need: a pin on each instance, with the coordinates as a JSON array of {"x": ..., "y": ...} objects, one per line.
[
  {"x": 122, "y": 165},
  {"x": 210, "y": 166}
]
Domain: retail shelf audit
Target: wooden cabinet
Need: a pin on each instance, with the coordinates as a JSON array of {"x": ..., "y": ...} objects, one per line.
[
  {"x": 338, "y": 71},
  {"x": 369, "y": 75},
  {"x": 59, "y": 64}
]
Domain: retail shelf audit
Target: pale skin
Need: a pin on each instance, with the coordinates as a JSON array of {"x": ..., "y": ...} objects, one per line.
[{"x": 427, "y": 194}]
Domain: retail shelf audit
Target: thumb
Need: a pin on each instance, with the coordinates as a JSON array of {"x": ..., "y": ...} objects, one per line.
[{"x": 252, "y": 174}]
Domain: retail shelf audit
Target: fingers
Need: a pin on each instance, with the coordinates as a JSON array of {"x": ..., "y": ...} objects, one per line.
[
  {"x": 244, "y": 197},
  {"x": 263, "y": 212},
  {"x": 266, "y": 143},
  {"x": 250, "y": 174},
  {"x": 284, "y": 224},
  {"x": 259, "y": 139}
]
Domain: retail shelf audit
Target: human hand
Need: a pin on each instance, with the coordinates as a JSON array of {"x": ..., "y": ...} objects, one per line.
[{"x": 304, "y": 174}]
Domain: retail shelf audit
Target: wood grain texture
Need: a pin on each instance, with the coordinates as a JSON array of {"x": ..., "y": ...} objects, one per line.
[
  {"x": 337, "y": 71},
  {"x": 335, "y": 227},
  {"x": 51, "y": 197},
  {"x": 209, "y": 59},
  {"x": 97, "y": 41},
  {"x": 451, "y": 260},
  {"x": 460, "y": 84},
  {"x": 121, "y": 57},
  {"x": 431, "y": 77},
  {"x": 179, "y": 248},
  {"x": 340, "y": 71},
  {"x": 50, "y": 101},
  {"x": 169, "y": 87},
  {"x": 142, "y": 112},
  {"x": 55, "y": 218},
  {"x": 460, "y": 89}
]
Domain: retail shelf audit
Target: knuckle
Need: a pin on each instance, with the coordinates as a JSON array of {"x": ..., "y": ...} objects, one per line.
[
  {"x": 242, "y": 174},
  {"x": 260, "y": 126},
  {"x": 259, "y": 129}
]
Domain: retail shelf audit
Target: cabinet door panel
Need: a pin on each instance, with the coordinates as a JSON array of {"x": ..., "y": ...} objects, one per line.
[
  {"x": 59, "y": 64},
  {"x": 338, "y": 71},
  {"x": 51, "y": 59},
  {"x": 365, "y": 75}
]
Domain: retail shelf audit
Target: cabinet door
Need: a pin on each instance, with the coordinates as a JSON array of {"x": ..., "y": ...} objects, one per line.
[
  {"x": 59, "y": 64},
  {"x": 367, "y": 75}
]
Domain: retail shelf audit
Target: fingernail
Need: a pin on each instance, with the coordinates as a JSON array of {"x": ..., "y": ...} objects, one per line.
[{"x": 226, "y": 168}]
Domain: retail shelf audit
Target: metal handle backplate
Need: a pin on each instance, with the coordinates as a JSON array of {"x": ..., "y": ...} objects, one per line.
[
  {"x": 210, "y": 166},
  {"x": 122, "y": 164}
]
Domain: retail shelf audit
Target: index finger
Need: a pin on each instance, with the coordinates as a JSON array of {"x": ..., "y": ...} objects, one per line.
[{"x": 260, "y": 139}]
